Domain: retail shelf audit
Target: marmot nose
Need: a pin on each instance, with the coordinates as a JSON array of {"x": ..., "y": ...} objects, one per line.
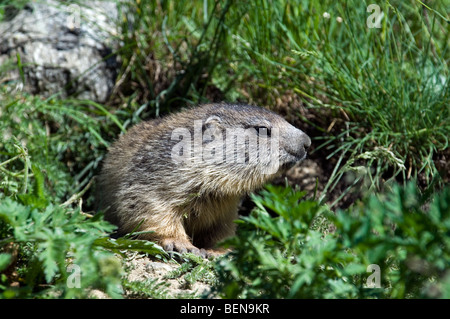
[{"x": 306, "y": 141}]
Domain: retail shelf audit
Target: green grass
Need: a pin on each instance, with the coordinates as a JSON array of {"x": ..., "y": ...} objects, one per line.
[
  {"x": 393, "y": 87},
  {"x": 381, "y": 94},
  {"x": 63, "y": 137},
  {"x": 387, "y": 89}
]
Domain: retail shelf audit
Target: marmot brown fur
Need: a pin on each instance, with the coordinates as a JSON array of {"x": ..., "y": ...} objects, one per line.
[{"x": 182, "y": 177}]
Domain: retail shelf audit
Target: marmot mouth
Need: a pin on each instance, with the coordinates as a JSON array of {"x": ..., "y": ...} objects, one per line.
[{"x": 293, "y": 160}]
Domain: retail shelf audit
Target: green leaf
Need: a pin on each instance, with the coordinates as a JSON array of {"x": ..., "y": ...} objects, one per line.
[
  {"x": 354, "y": 269},
  {"x": 37, "y": 199},
  {"x": 116, "y": 245},
  {"x": 5, "y": 260}
]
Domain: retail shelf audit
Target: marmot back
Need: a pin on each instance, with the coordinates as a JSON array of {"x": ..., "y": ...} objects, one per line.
[{"x": 183, "y": 176}]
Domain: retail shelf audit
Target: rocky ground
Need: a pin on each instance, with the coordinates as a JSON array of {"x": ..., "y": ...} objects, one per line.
[{"x": 166, "y": 279}]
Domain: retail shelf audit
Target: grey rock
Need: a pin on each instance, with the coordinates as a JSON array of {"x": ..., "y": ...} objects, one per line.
[{"x": 64, "y": 48}]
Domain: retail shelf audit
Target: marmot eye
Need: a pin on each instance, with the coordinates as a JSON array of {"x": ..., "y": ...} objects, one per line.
[{"x": 263, "y": 130}]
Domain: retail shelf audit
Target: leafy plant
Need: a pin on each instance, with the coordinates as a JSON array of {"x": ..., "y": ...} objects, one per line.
[
  {"x": 54, "y": 238},
  {"x": 283, "y": 256},
  {"x": 193, "y": 269},
  {"x": 411, "y": 244},
  {"x": 292, "y": 255},
  {"x": 48, "y": 247},
  {"x": 56, "y": 245},
  {"x": 150, "y": 288}
]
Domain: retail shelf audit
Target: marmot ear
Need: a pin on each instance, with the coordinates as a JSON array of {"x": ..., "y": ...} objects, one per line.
[
  {"x": 212, "y": 129},
  {"x": 212, "y": 122}
]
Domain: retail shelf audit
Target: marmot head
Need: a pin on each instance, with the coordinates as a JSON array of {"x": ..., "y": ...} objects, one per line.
[{"x": 238, "y": 142}]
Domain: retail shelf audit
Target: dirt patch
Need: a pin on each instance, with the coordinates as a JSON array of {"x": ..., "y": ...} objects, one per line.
[{"x": 164, "y": 279}]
